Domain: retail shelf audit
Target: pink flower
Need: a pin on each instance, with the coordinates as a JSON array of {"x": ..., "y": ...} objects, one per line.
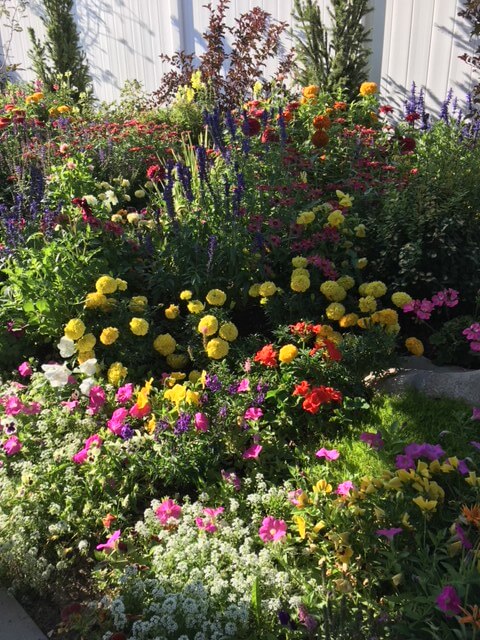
[
  {"x": 447, "y": 297},
  {"x": 476, "y": 413},
  {"x": 252, "y": 452},
  {"x": 272, "y": 530},
  {"x": 373, "y": 440},
  {"x": 328, "y": 454},
  {"x": 253, "y": 413},
  {"x": 14, "y": 406},
  {"x": 389, "y": 533},
  {"x": 244, "y": 385},
  {"x": 70, "y": 405},
  {"x": 117, "y": 420},
  {"x": 25, "y": 369},
  {"x": 448, "y": 601},
  {"x": 97, "y": 399},
  {"x": 293, "y": 495},
  {"x": 247, "y": 365},
  {"x": 137, "y": 412},
  {"x": 168, "y": 509},
  {"x": 12, "y": 446},
  {"x": 209, "y": 524},
  {"x": 111, "y": 543},
  {"x": 80, "y": 457},
  {"x": 93, "y": 441},
  {"x": 33, "y": 409},
  {"x": 213, "y": 513},
  {"x": 344, "y": 488},
  {"x": 124, "y": 393},
  {"x": 201, "y": 422}
]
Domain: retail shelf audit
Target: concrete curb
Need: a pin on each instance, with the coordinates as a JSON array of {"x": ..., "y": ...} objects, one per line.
[{"x": 15, "y": 624}]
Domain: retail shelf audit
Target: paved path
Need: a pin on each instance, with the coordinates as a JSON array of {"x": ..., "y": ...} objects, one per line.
[{"x": 15, "y": 624}]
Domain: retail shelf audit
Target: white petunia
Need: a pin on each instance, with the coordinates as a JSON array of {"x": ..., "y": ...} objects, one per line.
[
  {"x": 66, "y": 347},
  {"x": 56, "y": 374}
]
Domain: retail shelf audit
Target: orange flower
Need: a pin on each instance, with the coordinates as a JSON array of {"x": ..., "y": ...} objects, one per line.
[
  {"x": 319, "y": 138},
  {"x": 472, "y": 515},
  {"x": 322, "y": 122},
  {"x": 368, "y": 89},
  {"x": 287, "y": 116},
  {"x": 108, "y": 520},
  {"x": 267, "y": 356},
  {"x": 472, "y": 617},
  {"x": 310, "y": 92},
  {"x": 340, "y": 106}
]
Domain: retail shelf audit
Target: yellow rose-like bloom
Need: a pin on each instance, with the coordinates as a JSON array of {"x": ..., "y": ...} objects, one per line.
[
  {"x": 336, "y": 218},
  {"x": 217, "y": 348},
  {"x": 267, "y": 289},
  {"x": 86, "y": 343},
  {"x": 138, "y": 304},
  {"x": 172, "y": 312},
  {"x": 254, "y": 291},
  {"x": 385, "y": 317},
  {"x": 360, "y": 231},
  {"x": 376, "y": 289},
  {"x": 208, "y": 325},
  {"x": 310, "y": 92},
  {"x": 400, "y": 299},
  {"x": 299, "y": 272},
  {"x": 288, "y": 353},
  {"x": 74, "y": 329},
  {"x": 109, "y": 335},
  {"x": 95, "y": 300},
  {"x": 63, "y": 108},
  {"x": 216, "y": 297},
  {"x": 139, "y": 326},
  {"x": 122, "y": 285},
  {"x": 335, "y": 311},
  {"x": 299, "y": 262},
  {"x": 186, "y": 295},
  {"x": 177, "y": 360},
  {"x": 307, "y": 217},
  {"x": 333, "y": 291},
  {"x": 106, "y": 284},
  {"x": 228, "y": 331},
  {"x": 116, "y": 373},
  {"x": 362, "y": 263},
  {"x": 367, "y": 304},
  {"x": 346, "y": 282},
  {"x": 414, "y": 346},
  {"x": 195, "y": 306},
  {"x": 348, "y": 320},
  {"x": 300, "y": 284},
  {"x": 368, "y": 88},
  {"x": 84, "y": 356},
  {"x": 165, "y": 344}
]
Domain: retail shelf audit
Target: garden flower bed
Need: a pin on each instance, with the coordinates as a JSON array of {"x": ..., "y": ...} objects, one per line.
[{"x": 188, "y": 321}]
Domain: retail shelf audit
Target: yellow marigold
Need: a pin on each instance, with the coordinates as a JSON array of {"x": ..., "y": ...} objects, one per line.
[
  {"x": 363, "y": 323},
  {"x": 165, "y": 344},
  {"x": 385, "y": 317},
  {"x": 376, "y": 289},
  {"x": 400, "y": 299},
  {"x": 109, "y": 335},
  {"x": 368, "y": 304},
  {"x": 414, "y": 346},
  {"x": 186, "y": 295},
  {"x": 346, "y": 282},
  {"x": 172, "y": 312},
  {"x": 37, "y": 96},
  {"x": 86, "y": 343},
  {"x": 310, "y": 92},
  {"x": 217, "y": 348},
  {"x": 228, "y": 332},
  {"x": 106, "y": 284},
  {"x": 299, "y": 272},
  {"x": 362, "y": 289},
  {"x": 208, "y": 325},
  {"x": 335, "y": 311},
  {"x": 336, "y": 218},
  {"x": 95, "y": 300},
  {"x": 84, "y": 356},
  {"x": 300, "y": 284},
  {"x": 116, "y": 373},
  {"x": 288, "y": 353},
  {"x": 138, "y": 304},
  {"x": 362, "y": 263},
  {"x": 216, "y": 297},
  {"x": 177, "y": 360},
  {"x": 393, "y": 329},
  {"x": 254, "y": 291},
  {"x": 74, "y": 329},
  {"x": 122, "y": 285},
  {"x": 368, "y": 88},
  {"x": 348, "y": 320},
  {"x": 360, "y": 231},
  {"x": 195, "y": 306},
  {"x": 63, "y": 108},
  {"x": 267, "y": 289},
  {"x": 139, "y": 326},
  {"x": 306, "y": 217},
  {"x": 333, "y": 291},
  {"x": 299, "y": 262},
  {"x": 108, "y": 305}
]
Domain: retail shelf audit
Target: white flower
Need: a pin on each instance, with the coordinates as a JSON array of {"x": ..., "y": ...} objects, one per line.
[
  {"x": 91, "y": 200},
  {"x": 111, "y": 197},
  {"x": 66, "y": 347},
  {"x": 89, "y": 367},
  {"x": 56, "y": 374},
  {"x": 86, "y": 385}
]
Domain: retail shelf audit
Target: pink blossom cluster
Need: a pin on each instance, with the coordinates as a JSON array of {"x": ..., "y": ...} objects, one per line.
[
  {"x": 472, "y": 334},
  {"x": 423, "y": 308},
  {"x": 209, "y": 524}
]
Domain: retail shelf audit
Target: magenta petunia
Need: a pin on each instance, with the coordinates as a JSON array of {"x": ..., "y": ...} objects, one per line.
[
  {"x": 253, "y": 413},
  {"x": 252, "y": 452},
  {"x": 111, "y": 543},
  {"x": 243, "y": 386},
  {"x": 12, "y": 446},
  {"x": 97, "y": 397},
  {"x": 25, "y": 369},
  {"x": 328, "y": 454},
  {"x": 389, "y": 533},
  {"x": 201, "y": 422},
  {"x": 81, "y": 457},
  {"x": 168, "y": 509},
  {"x": 14, "y": 406},
  {"x": 344, "y": 488},
  {"x": 373, "y": 440},
  {"x": 209, "y": 524},
  {"x": 117, "y": 420},
  {"x": 476, "y": 413},
  {"x": 448, "y": 601},
  {"x": 125, "y": 393},
  {"x": 272, "y": 530}
]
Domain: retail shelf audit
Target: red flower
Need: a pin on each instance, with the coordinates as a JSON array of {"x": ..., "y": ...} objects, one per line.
[
  {"x": 332, "y": 351},
  {"x": 251, "y": 127},
  {"x": 386, "y": 108},
  {"x": 266, "y": 356},
  {"x": 319, "y": 396},
  {"x": 407, "y": 144},
  {"x": 269, "y": 135},
  {"x": 155, "y": 173},
  {"x": 301, "y": 389},
  {"x": 412, "y": 117}
]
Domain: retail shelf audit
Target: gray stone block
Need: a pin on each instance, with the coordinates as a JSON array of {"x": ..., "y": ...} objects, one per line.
[{"x": 15, "y": 624}]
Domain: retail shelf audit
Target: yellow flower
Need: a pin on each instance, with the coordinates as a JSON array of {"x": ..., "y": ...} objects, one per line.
[
  {"x": 109, "y": 335},
  {"x": 196, "y": 80},
  {"x": 376, "y": 289},
  {"x": 228, "y": 331},
  {"x": 400, "y": 299},
  {"x": 299, "y": 272},
  {"x": 333, "y": 291},
  {"x": 176, "y": 394},
  {"x": 74, "y": 329},
  {"x": 116, "y": 373},
  {"x": 307, "y": 217},
  {"x": 122, "y": 285},
  {"x": 267, "y": 289},
  {"x": 363, "y": 323},
  {"x": 63, "y": 108},
  {"x": 192, "y": 397},
  {"x": 344, "y": 554},
  {"x": 301, "y": 526},
  {"x": 194, "y": 376},
  {"x": 216, "y": 297},
  {"x": 86, "y": 343},
  {"x": 177, "y": 360},
  {"x": 34, "y": 97},
  {"x": 425, "y": 505},
  {"x": 138, "y": 304},
  {"x": 336, "y": 218},
  {"x": 257, "y": 87},
  {"x": 208, "y": 325},
  {"x": 335, "y": 311},
  {"x": 348, "y": 320},
  {"x": 299, "y": 262},
  {"x": 344, "y": 200},
  {"x": 186, "y": 295},
  {"x": 414, "y": 346},
  {"x": 288, "y": 353},
  {"x": 322, "y": 486},
  {"x": 360, "y": 231},
  {"x": 385, "y": 317},
  {"x": 367, "y": 304},
  {"x": 106, "y": 284},
  {"x": 108, "y": 305},
  {"x": 343, "y": 585},
  {"x": 254, "y": 291},
  {"x": 362, "y": 263},
  {"x": 346, "y": 282},
  {"x": 165, "y": 344},
  {"x": 217, "y": 348},
  {"x": 368, "y": 89},
  {"x": 300, "y": 284},
  {"x": 95, "y": 300},
  {"x": 172, "y": 312},
  {"x": 139, "y": 326},
  {"x": 310, "y": 92},
  {"x": 195, "y": 306},
  {"x": 84, "y": 356}
]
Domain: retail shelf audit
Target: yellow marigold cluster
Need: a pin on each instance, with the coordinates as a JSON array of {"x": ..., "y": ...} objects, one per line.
[
  {"x": 35, "y": 97},
  {"x": 86, "y": 343},
  {"x": 138, "y": 304},
  {"x": 195, "y": 306},
  {"x": 216, "y": 297},
  {"x": 109, "y": 335},
  {"x": 326, "y": 331},
  {"x": 368, "y": 88},
  {"x": 254, "y": 291},
  {"x": 385, "y": 317},
  {"x": 335, "y": 311},
  {"x": 177, "y": 360},
  {"x": 217, "y": 348},
  {"x": 165, "y": 344},
  {"x": 288, "y": 353},
  {"x": 106, "y": 284},
  {"x": 139, "y": 326},
  {"x": 116, "y": 373},
  {"x": 333, "y": 291},
  {"x": 186, "y": 295},
  {"x": 267, "y": 289},
  {"x": 376, "y": 289},
  {"x": 228, "y": 332},
  {"x": 360, "y": 231},
  {"x": 122, "y": 285},
  {"x": 300, "y": 282},
  {"x": 299, "y": 262},
  {"x": 368, "y": 304},
  {"x": 208, "y": 325},
  {"x": 95, "y": 300},
  {"x": 74, "y": 329},
  {"x": 400, "y": 299},
  {"x": 348, "y": 320},
  {"x": 347, "y": 282},
  {"x": 414, "y": 346},
  {"x": 310, "y": 92}
]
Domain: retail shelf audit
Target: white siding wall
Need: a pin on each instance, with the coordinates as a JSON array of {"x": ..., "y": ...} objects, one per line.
[{"x": 412, "y": 41}]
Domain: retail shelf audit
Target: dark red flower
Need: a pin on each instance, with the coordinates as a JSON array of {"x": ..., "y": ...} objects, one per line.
[
  {"x": 269, "y": 135},
  {"x": 251, "y": 127}
]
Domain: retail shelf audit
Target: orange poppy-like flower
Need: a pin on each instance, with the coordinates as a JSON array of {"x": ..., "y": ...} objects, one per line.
[
  {"x": 471, "y": 617},
  {"x": 472, "y": 515},
  {"x": 320, "y": 138},
  {"x": 340, "y": 106},
  {"x": 322, "y": 122}
]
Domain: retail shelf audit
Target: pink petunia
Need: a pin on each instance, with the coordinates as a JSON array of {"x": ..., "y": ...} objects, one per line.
[
  {"x": 111, "y": 543},
  {"x": 243, "y": 386},
  {"x": 124, "y": 393},
  {"x": 25, "y": 369},
  {"x": 272, "y": 530},
  {"x": 253, "y": 413},
  {"x": 70, "y": 405},
  {"x": 168, "y": 509},
  {"x": 389, "y": 533},
  {"x": 81, "y": 457},
  {"x": 252, "y": 452},
  {"x": 344, "y": 488},
  {"x": 97, "y": 399},
  {"x": 117, "y": 420},
  {"x": 12, "y": 446},
  {"x": 476, "y": 413},
  {"x": 201, "y": 422},
  {"x": 14, "y": 406},
  {"x": 328, "y": 454},
  {"x": 209, "y": 524}
]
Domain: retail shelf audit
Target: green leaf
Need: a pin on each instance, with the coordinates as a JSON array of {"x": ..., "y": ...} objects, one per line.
[
  {"x": 29, "y": 306},
  {"x": 42, "y": 305},
  {"x": 256, "y": 599}
]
